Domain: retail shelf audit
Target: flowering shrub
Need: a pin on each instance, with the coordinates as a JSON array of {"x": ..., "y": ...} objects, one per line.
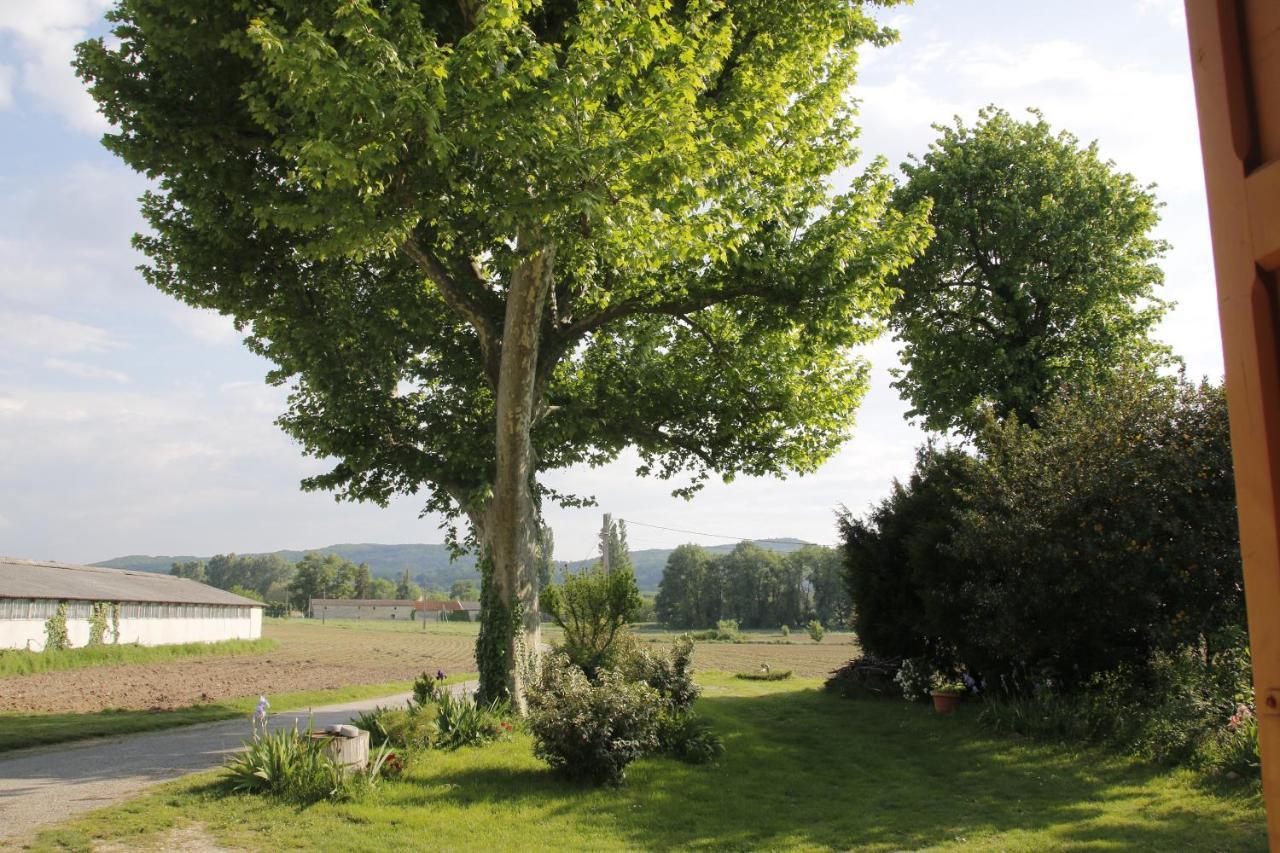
[
  {"x": 915, "y": 679},
  {"x": 591, "y": 731}
]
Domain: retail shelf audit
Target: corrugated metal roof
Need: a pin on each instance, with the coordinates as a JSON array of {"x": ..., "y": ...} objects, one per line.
[{"x": 34, "y": 579}]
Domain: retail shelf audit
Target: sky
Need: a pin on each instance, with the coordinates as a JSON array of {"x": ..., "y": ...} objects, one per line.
[{"x": 131, "y": 423}]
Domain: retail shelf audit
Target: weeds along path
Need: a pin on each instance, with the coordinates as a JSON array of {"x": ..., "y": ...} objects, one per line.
[{"x": 48, "y": 784}]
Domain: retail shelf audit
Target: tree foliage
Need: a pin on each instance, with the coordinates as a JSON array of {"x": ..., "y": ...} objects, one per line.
[
  {"x": 1103, "y": 538},
  {"x": 1042, "y": 271},
  {"x": 487, "y": 239},
  {"x": 755, "y": 587}
]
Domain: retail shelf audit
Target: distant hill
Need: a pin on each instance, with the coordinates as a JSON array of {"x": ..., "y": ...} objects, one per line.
[{"x": 431, "y": 563}]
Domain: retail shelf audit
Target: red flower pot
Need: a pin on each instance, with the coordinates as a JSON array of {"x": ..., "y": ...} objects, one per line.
[{"x": 945, "y": 703}]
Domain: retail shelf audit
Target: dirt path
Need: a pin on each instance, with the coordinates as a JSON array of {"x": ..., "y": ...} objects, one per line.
[{"x": 45, "y": 785}]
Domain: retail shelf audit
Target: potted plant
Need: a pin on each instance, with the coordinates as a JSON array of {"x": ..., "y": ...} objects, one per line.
[{"x": 946, "y": 692}]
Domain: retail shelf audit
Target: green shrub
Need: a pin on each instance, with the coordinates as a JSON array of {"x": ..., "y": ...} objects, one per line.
[
  {"x": 816, "y": 631},
  {"x": 786, "y": 630},
  {"x": 764, "y": 675},
  {"x": 288, "y": 764},
  {"x": 727, "y": 629},
  {"x": 670, "y": 675},
  {"x": 402, "y": 728},
  {"x": 688, "y": 738},
  {"x": 591, "y": 731},
  {"x": 461, "y": 721},
  {"x": 865, "y": 676},
  {"x": 593, "y": 608},
  {"x": 1182, "y": 708}
]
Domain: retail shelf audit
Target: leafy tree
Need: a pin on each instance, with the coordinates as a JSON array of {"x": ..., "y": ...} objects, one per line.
[
  {"x": 406, "y": 589},
  {"x": 1042, "y": 271},
  {"x": 383, "y": 588},
  {"x": 363, "y": 582},
  {"x": 488, "y": 239},
  {"x": 247, "y": 592},
  {"x": 823, "y": 572},
  {"x": 680, "y": 590},
  {"x": 755, "y": 587},
  {"x": 593, "y": 608},
  {"x": 463, "y": 591},
  {"x": 193, "y": 570},
  {"x": 327, "y": 576},
  {"x": 613, "y": 541},
  {"x": 751, "y": 585}
]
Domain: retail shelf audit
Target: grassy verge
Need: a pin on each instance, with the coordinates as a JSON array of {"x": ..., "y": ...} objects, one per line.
[
  {"x": 819, "y": 772},
  {"x": 22, "y": 730},
  {"x": 18, "y": 662}
]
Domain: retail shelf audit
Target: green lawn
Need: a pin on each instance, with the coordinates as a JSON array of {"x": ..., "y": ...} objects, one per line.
[
  {"x": 802, "y": 770},
  {"x": 22, "y": 730},
  {"x": 19, "y": 662}
]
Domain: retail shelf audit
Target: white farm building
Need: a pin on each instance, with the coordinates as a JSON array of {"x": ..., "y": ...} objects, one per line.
[{"x": 125, "y": 606}]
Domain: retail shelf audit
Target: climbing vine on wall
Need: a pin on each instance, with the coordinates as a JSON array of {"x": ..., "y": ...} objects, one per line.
[
  {"x": 115, "y": 622},
  {"x": 55, "y": 630},
  {"x": 98, "y": 622}
]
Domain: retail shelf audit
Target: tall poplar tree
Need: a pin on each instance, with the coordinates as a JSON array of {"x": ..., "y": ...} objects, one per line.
[{"x": 484, "y": 239}]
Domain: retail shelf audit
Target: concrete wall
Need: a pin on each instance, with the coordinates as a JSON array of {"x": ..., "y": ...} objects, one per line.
[
  {"x": 367, "y": 611},
  {"x": 22, "y": 624}
]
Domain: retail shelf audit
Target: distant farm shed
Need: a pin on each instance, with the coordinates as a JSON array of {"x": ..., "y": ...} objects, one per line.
[
  {"x": 139, "y": 607},
  {"x": 389, "y": 608}
]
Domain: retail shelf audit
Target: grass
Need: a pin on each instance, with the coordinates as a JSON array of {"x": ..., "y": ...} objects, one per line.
[
  {"x": 819, "y": 772},
  {"x": 19, "y": 662},
  {"x": 22, "y": 730}
]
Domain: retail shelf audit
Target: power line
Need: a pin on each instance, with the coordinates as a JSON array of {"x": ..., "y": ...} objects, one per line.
[{"x": 718, "y": 535}]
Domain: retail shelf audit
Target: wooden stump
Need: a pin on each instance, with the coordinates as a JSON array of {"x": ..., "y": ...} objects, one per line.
[{"x": 351, "y": 752}]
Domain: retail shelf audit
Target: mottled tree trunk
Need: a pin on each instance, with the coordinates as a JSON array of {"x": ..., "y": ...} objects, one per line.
[{"x": 509, "y": 529}]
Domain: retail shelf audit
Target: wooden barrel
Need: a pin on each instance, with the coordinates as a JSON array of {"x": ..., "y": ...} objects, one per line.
[{"x": 348, "y": 751}]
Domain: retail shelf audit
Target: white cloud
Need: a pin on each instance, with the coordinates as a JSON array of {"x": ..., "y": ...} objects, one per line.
[
  {"x": 11, "y": 405},
  {"x": 85, "y": 371},
  {"x": 45, "y": 333},
  {"x": 7, "y": 75},
  {"x": 206, "y": 326},
  {"x": 1143, "y": 117},
  {"x": 46, "y": 34}
]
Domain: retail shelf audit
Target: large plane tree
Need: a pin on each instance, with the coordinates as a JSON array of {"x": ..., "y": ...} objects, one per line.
[{"x": 484, "y": 239}]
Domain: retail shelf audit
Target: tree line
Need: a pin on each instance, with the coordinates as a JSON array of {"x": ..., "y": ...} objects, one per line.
[
  {"x": 757, "y": 587},
  {"x": 283, "y": 585}
]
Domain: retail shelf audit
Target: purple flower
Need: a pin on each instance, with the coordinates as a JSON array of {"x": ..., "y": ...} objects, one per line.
[{"x": 439, "y": 675}]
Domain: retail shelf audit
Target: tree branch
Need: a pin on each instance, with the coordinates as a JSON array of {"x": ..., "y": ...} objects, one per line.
[{"x": 463, "y": 301}]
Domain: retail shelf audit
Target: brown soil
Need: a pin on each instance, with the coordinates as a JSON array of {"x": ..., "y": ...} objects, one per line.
[
  {"x": 803, "y": 657},
  {"x": 309, "y": 657},
  {"x": 322, "y": 657}
]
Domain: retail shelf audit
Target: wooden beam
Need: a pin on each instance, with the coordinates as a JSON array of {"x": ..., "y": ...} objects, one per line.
[{"x": 1235, "y": 59}]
